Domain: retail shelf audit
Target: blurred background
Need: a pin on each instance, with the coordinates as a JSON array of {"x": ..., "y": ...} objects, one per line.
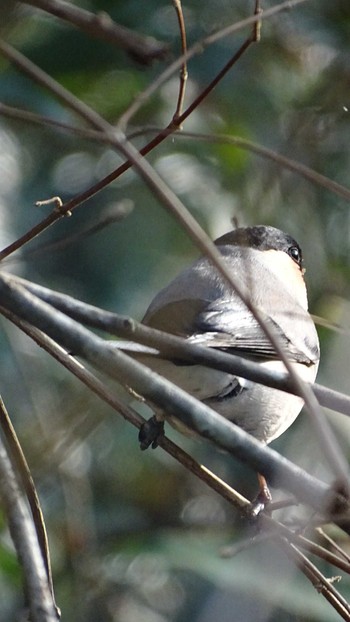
[{"x": 133, "y": 535}]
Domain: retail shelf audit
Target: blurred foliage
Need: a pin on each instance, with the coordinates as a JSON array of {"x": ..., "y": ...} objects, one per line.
[{"x": 132, "y": 535}]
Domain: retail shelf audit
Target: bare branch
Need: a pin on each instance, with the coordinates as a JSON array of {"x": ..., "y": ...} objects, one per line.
[
  {"x": 157, "y": 390},
  {"x": 99, "y": 123},
  {"x": 334, "y": 544},
  {"x": 29, "y": 487},
  {"x": 91, "y": 116},
  {"x": 171, "y": 202},
  {"x": 319, "y": 581},
  {"x": 275, "y": 530},
  {"x": 177, "y": 347},
  {"x": 287, "y": 163},
  {"x": 183, "y": 71},
  {"x": 200, "y": 46},
  {"x": 42, "y": 607},
  {"x": 45, "y": 80},
  {"x": 101, "y": 26},
  {"x": 296, "y": 167}
]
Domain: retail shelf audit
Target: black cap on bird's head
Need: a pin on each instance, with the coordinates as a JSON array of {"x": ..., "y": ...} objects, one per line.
[{"x": 263, "y": 238}]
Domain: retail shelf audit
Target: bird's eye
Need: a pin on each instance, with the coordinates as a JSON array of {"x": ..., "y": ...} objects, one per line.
[{"x": 295, "y": 253}]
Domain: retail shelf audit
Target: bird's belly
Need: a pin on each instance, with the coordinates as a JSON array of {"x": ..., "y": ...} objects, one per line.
[{"x": 263, "y": 412}]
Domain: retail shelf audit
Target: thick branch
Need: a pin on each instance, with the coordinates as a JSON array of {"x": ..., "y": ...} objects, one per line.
[
  {"x": 177, "y": 347},
  {"x": 170, "y": 398}
]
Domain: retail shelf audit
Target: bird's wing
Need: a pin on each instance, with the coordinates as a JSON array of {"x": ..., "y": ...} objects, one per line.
[
  {"x": 210, "y": 324},
  {"x": 214, "y": 329},
  {"x": 198, "y": 304}
]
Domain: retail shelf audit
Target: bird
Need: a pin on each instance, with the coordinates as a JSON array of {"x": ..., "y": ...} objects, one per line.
[{"x": 202, "y": 307}]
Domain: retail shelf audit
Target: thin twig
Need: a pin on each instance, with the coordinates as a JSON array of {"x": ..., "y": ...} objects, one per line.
[
  {"x": 319, "y": 551},
  {"x": 29, "y": 487},
  {"x": 323, "y": 585},
  {"x": 287, "y": 163},
  {"x": 211, "y": 86},
  {"x": 42, "y": 607},
  {"x": 257, "y": 26},
  {"x": 129, "y": 414},
  {"x": 232, "y": 550},
  {"x": 99, "y": 123},
  {"x": 112, "y": 214},
  {"x": 333, "y": 543},
  {"x": 198, "y": 49},
  {"x": 296, "y": 167},
  {"x": 276, "y": 530},
  {"x": 101, "y": 26},
  {"x": 183, "y": 70}
]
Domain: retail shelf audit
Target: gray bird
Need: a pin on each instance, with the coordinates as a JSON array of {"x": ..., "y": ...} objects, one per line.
[{"x": 200, "y": 306}]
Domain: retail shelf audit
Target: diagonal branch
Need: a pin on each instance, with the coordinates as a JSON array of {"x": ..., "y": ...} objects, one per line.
[
  {"x": 214, "y": 482},
  {"x": 172, "y": 346},
  {"x": 41, "y": 603},
  {"x": 25, "y": 65},
  {"x": 171, "y": 202},
  {"x": 318, "y": 580},
  {"x": 22, "y": 467},
  {"x": 201, "y": 45},
  {"x": 273, "y": 529},
  {"x": 292, "y": 165},
  {"x": 101, "y": 26},
  {"x": 99, "y": 123},
  {"x": 170, "y": 398}
]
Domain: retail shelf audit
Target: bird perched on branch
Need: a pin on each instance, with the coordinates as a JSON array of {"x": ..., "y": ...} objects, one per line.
[{"x": 202, "y": 307}]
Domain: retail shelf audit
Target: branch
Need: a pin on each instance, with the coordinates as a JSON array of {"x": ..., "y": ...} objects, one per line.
[
  {"x": 98, "y": 123},
  {"x": 280, "y": 159},
  {"x": 197, "y": 49},
  {"x": 292, "y": 165},
  {"x": 128, "y": 413},
  {"x": 318, "y": 580},
  {"x": 170, "y": 398},
  {"x": 23, "y": 533},
  {"x": 95, "y": 120},
  {"x": 101, "y": 26},
  {"x": 272, "y": 528},
  {"x": 19, "y": 460},
  {"x": 172, "y": 346},
  {"x": 183, "y": 71},
  {"x": 178, "y": 210},
  {"x": 44, "y": 79}
]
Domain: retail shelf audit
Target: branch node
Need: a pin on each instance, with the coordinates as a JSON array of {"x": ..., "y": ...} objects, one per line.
[
  {"x": 129, "y": 324},
  {"x": 59, "y": 206}
]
